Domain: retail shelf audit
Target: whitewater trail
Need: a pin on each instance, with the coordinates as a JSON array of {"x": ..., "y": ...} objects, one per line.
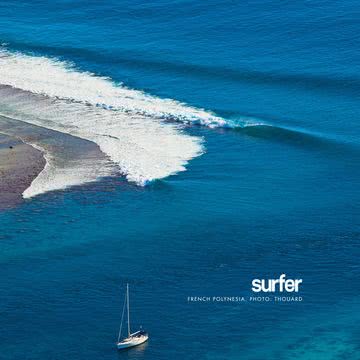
[{"x": 128, "y": 125}]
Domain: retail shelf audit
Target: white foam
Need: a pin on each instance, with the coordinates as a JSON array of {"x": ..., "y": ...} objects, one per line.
[
  {"x": 59, "y": 79},
  {"x": 56, "y": 175},
  {"x": 126, "y": 124},
  {"x": 69, "y": 161}
]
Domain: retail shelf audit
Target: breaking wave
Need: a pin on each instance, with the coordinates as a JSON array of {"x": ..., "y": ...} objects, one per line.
[
  {"x": 61, "y": 80},
  {"x": 127, "y": 125},
  {"x": 140, "y": 134}
]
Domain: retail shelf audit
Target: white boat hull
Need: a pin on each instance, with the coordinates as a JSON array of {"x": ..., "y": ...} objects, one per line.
[{"x": 132, "y": 341}]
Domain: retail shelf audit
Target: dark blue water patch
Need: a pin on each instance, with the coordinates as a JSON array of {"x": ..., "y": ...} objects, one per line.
[{"x": 294, "y": 137}]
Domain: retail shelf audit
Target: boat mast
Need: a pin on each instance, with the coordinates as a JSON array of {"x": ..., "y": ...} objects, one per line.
[
  {"x": 122, "y": 317},
  {"x": 128, "y": 306}
]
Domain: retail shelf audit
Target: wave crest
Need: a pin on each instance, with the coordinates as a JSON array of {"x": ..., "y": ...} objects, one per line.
[
  {"x": 128, "y": 125},
  {"x": 61, "y": 80}
]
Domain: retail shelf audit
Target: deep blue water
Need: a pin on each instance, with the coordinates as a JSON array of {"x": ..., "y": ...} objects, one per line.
[{"x": 260, "y": 202}]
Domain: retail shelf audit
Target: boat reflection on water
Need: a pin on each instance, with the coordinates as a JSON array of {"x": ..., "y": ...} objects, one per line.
[{"x": 136, "y": 352}]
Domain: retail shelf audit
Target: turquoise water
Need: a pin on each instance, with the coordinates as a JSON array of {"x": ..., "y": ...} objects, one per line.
[{"x": 279, "y": 196}]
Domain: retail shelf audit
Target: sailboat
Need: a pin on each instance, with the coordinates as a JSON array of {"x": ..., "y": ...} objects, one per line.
[{"x": 132, "y": 339}]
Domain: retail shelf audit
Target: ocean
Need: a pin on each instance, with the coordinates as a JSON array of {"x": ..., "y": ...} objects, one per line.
[{"x": 191, "y": 147}]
